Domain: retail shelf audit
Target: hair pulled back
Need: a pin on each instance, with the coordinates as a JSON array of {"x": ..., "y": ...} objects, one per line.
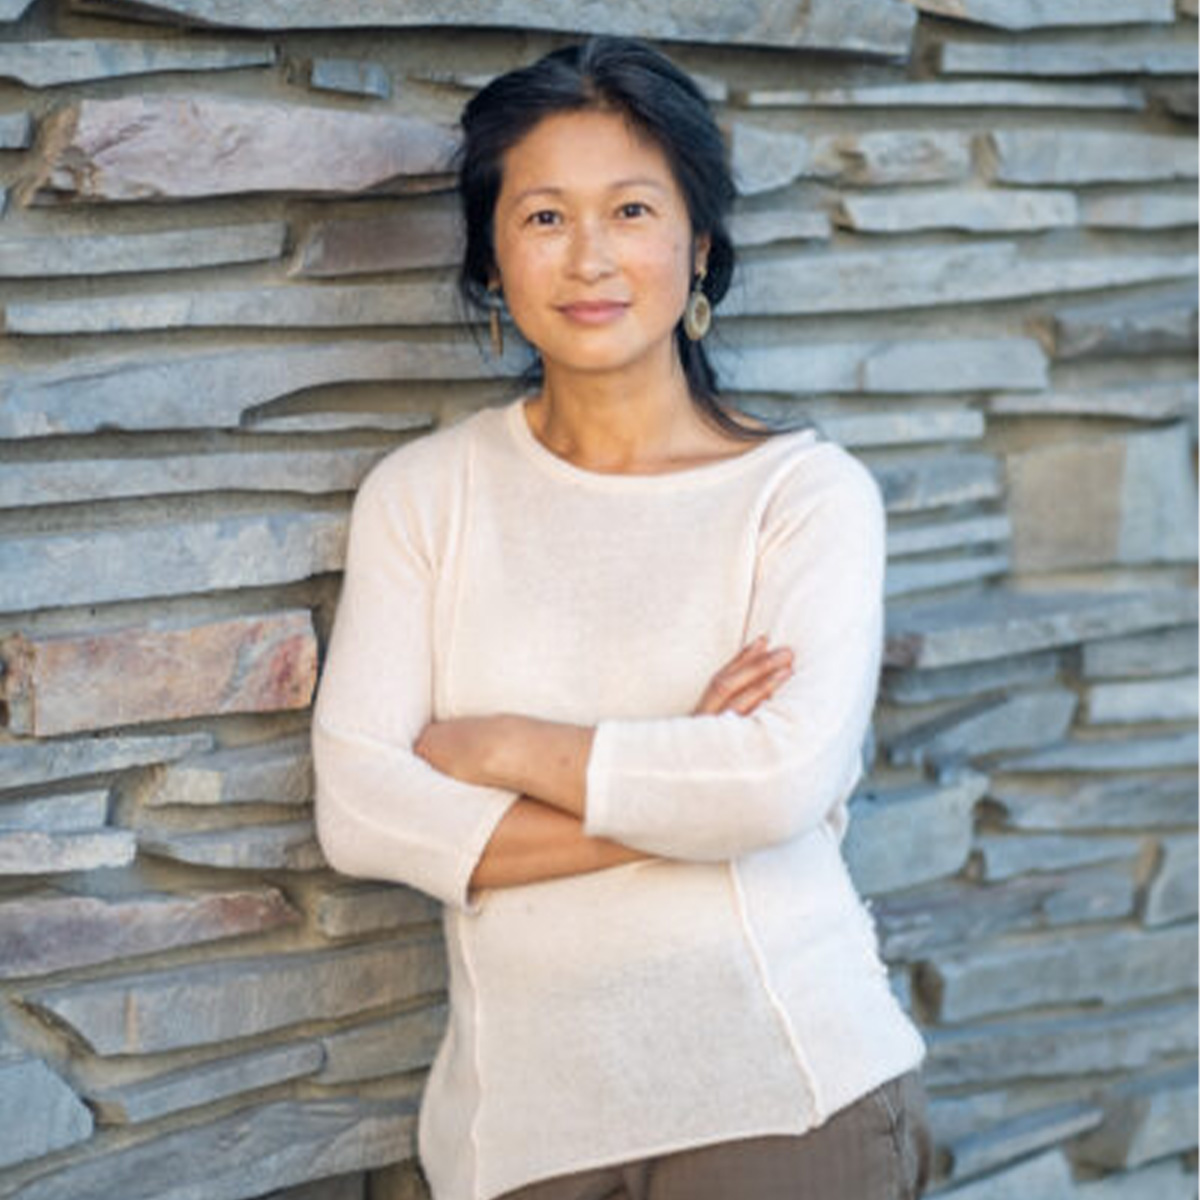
[{"x": 661, "y": 102}]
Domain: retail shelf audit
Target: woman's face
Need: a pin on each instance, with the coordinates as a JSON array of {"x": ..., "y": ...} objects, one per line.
[{"x": 593, "y": 243}]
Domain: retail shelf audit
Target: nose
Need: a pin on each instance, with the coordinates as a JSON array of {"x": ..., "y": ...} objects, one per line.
[{"x": 590, "y": 253}]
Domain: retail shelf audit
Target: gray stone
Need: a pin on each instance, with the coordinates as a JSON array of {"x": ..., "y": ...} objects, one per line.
[
  {"x": 765, "y": 226},
  {"x": 906, "y": 578},
  {"x": 173, "y": 1091},
  {"x": 870, "y": 26},
  {"x": 1139, "y": 402},
  {"x": 1111, "y": 754},
  {"x": 204, "y": 556},
  {"x": 410, "y": 237},
  {"x": 329, "y": 306},
  {"x": 1045, "y": 1177},
  {"x": 1019, "y": 721},
  {"x": 955, "y": 913},
  {"x": 109, "y": 254},
  {"x": 16, "y": 130},
  {"x": 887, "y": 157},
  {"x": 78, "y": 480},
  {"x": 949, "y": 683},
  {"x": 1145, "y": 1118},
  {"x": 951, "y": 94},
  {"x": 23, "y": 763},
  {"x": 28, "y": 852},
  {"x": 1101, "y": 53},
  {"x": 274, "y": 772},
  {"x": 177, "y": 147},
  {"x": 368, "y": 907},
  {"x": 1169, "y": 1180},
  {"x": 1057, "y": 156},
  {"x": 971, "y": 209},
  {"x": 42, "y": 934},
  {"x": 1157, "y": 208},
  {"x": 404, "y": 1042},
  {"x": 57, "y": 814},
  {"x": 1017, "y": 1137},
  {"x": 910, "y": 835},
  {"x": 13, "y": 10},
  {"x": 1151, "y": 700},
  {"x": 215, "y": 1001},
  {"x": 212, "y": 390},
  {"x": 1110, "y": 967},
  {"x": 244, "y": 1153},
  {"x": 1035, "y": 14},
  {"x": 872, "y": 280},
  {"x": 1181, "y": 100},
  {"x": 892, "y": 428},
  {"x": 1161, "y": 324},
  {"x": 1004, "y": 855},
  {"x": 339, "y": 422},
  {"x": 1160, "y": 653},
  {"x": 286, "y": 845},
  {"x": 924, "y": 483},
  {"x": 1171, "y": 894},
  {"x": 1143, "y": 801},
  {"x": 961, "y": 365},
  {"x": 46, "y": 64},
  {"x": 1001, "y": 623},
  {"x": 765, "y": 159},
  {"x": 1124, "y": 499},
  {"x": 39, "y": 1113},
  {"x": 1052, "y": 1047},
  {"x": 351, "y": 76}
]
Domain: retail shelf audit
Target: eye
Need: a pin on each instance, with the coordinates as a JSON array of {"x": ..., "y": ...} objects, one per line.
[
  {"x": 634, "y": 208},
  {"x": 543, "y": 216}
]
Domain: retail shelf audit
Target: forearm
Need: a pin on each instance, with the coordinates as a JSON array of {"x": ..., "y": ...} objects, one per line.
[{"x": 533, "y": 842}]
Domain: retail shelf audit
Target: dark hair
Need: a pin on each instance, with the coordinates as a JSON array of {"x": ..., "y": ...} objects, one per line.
[{"x": 661, "y": 101}]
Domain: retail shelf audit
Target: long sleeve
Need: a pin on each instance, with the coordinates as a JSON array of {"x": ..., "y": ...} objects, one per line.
[
  {"x": 717, "y": 786},
  {"x": 382, "y": 812}
]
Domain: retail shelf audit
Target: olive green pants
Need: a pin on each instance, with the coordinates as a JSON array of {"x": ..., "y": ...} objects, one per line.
[{"x": 878, "y": 1148}]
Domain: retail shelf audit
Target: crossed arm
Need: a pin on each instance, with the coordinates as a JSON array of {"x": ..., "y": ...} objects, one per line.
[{"x": 541, "y": 836}]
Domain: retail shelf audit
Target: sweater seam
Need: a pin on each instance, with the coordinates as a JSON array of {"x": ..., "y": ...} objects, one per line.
[{"x": 803, "y": 1067}]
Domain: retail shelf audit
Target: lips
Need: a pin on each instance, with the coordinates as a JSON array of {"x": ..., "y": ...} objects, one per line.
[{"x": 593, "y": 312}]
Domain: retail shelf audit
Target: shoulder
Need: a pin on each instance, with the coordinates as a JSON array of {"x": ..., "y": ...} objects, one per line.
[{"x": 823, "y": 474}]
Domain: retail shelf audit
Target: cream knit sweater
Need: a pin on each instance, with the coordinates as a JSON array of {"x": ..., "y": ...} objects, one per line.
[{"x": 729, "y": 988}]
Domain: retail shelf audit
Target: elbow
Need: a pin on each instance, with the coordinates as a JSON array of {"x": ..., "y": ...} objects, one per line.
[{"x": 799, "y": 799}]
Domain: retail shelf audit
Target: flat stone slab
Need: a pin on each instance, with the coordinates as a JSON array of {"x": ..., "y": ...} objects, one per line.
[
  {"x": 1111, "y": 967},
  {"x": 216, "y": 1001},
  {"x": 274, "y": 772},
  {"x": 898, "y": 428},
  {"x": 23, "y": 763},
  {"x": 1162, "y": 652},
  {"x": 42, "y": 934},
  {"x": 350, "y": 910},
  {"x": 901, "y": 837},
  {"x": 765, "y": 159},
  {"x": 28, "y": 852},
  {"x": 969, "y": 209},
  {"x": 1053, "y": 1047},
  {"x": 410, "y": 238},
  {"x": 404, "y": 1042},
  {"x": 66, "y": 812},
  {"x": 39, "y": 1113},
  {"x": 1172, "y": 893},
  {"x": 1159, "y": 208},
  {"x": 1033, "y": 14},
  {"x": 1144, "y": 1119},
  {"x": 16, "y": 131},
  {"x": 352, "y": 76},
  {"x": 1003, "y": 855},
  {"x": 78, "y": 480},
  {"x": 42, "y": 64},
  {"x": 120, "y": 253},
  {"x": 887, "y": 157},
  {"x": 924, "y": 482},
  {"x": 1141, "y": 802},
  {"x": 870, "y": 26},
  {"x": 1160, "y": 324},
  {"x": 174, "y": 1091},
  {"x": 1154, "y": 402},
  {"x": 1001, "y": 623},
  {"x": 177, "y": 147},
  {"x": 765, "y": 226},
  {"x": 906, "y": 578},
  {"x": 1115, "y": 52},
  {"x": 215, "y": 390},
  {"x": 1059, "y": 156},
  {"x": 153, "y": 672},
  {"x": 1148, "y": 700},
  {"x": 282, "y": 845},
  {"x": 951, "y": 94},
  {"x": 1109, "y": 754},
  {"x": 245, "y": 1153},
  {"x": 950, "y": 683},
  {"x": 169, "y": 560},
  {"x": 1043, "y": 1177}
]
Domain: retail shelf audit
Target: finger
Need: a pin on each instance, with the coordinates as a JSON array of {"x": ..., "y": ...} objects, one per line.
[
  {"x": 747, "y": 700},
  {"x": 731, "y": 680}
]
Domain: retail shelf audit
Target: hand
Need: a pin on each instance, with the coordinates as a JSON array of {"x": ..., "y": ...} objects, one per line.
[
  {"x": 463, "y": 747},
  {"x": 749, "y": 678}
]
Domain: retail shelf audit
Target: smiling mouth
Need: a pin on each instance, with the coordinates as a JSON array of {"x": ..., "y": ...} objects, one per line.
[{"x": 594, "y": 312}]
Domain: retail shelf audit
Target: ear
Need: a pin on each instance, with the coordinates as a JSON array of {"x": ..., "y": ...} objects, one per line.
[{"x": 701, "y": 252}]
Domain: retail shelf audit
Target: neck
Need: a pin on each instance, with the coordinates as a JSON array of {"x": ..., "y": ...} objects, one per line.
[{"x": 615, "y": 423}]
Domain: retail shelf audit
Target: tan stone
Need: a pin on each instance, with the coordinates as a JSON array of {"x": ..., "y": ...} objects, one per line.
[{"x": 249, "y": 664}]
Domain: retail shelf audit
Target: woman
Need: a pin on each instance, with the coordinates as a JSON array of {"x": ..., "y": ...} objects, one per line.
[{"x": 550, "y": 702}]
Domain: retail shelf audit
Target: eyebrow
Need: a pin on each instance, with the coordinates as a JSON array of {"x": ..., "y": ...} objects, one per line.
[{"x": 614, "y": 187}]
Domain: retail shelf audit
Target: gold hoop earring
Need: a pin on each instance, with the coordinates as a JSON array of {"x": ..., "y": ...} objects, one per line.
[
  {"x": 697, "y": 316},
  {"x": 494, "y": 327}
]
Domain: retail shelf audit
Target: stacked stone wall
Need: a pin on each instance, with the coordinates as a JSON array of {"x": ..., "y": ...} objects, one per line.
[{"x": 227, "y": 246}]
